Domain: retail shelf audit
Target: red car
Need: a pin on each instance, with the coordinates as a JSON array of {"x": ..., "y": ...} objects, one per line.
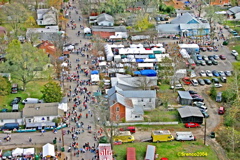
[
  {"x": 192, "y": 125},
  {"x": 186, "y": 80},
  {"x": 222, "y": 57},
  {"x": 117, "y": 143}
]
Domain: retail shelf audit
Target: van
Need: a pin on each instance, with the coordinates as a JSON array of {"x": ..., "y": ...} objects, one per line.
[
  {"x": 14, "y": 88},
  {"x": 161, "y": 136},
  {"x": 131, "y": 129},
  {"x": 221, "y": 110},
  {"x": 219, "y": 97},
  {"x": 185, "y": 136},
  {"x": 15, "y": 108},
  {"x": 203, "y": 108},
  {"x": 31, "y": 100},
  {"x": 10, "y": 126},
  {"x": 190, "y": 62},
  {"x": 223, "y": 79},
  {"x": 124, "y": 136}
]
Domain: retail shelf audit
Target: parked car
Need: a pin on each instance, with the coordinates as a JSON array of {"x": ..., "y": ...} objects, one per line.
[
  {"x": 226, "y": 27},
  {"x": 217, "y": 85},
  {"x": 209, "y": 62},
  {"x": 216, "y": 57},
  {"x": 203, "y": 49},
  {"x": 192, "y": 92},
  {"x": 219, "y": 97},
  {"x": 199, "y": 57},
  {"x": 211, "y": 58},
  {"x": 197, "y": 99},
  {"x": 203, "y": 63},
  {"x": 214, "y": 62},
  {"x": 228, "y": 73},
  {"x": 194, "y": 82},
  {"x": 221, "y": 73},
  {"x": 205, "y": 58},
  {"x": 203, "y": 108},
  {"x": 202, "y": 73},
  {"x": 222, "y": 57},
  {"x": 215, "y": 80},
  {"x": 186, "y": 80},
  {"x": 201, "y": 82},
  {"x": 221, "y": 110},
  {"x": 16, "y": 100},
  {"x": 205, "y": 114},
  {"x": 223, "y": 79},
  {"x": 192, "y": 125},
  {"x": 210, "y": 49},
  {"x": 234, "y": 53},
  {"x": 207, "y": 81},
  {"x": 215, "y": 73},
  {"x": 198, "y": 104},
  {"x": 209, "y": 73},
  {"x": 177, "y": 86},
  {"x": 234, "y": 33}
]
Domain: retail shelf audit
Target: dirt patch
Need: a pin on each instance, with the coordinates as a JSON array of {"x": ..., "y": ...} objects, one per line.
[{"x": 176, "y": 4}]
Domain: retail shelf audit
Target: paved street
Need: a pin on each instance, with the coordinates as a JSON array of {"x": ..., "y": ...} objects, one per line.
[{"x": 21, "y": 139}]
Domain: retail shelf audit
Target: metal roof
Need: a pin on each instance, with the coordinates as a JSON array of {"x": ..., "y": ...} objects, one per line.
[
  {"x": 234, "y": 10},
  {"x": 168, "y": 28},
  {"x": 109, "y": 28},
  {"x": 139, "y": 94},
  {"x": 188, "y": 111},
  {"x": 185, "y": 18},
  {"x": 184, "y": 95},
  {"x": 105, "y": 17},
  {"x": 40, "y": 109},
  {"x": 10, "y": 115}
]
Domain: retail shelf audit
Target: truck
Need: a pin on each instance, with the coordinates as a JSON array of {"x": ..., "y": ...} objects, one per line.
[
  {"x": 10, "y": 126},
  {"x": 161, "y": 136},
  {"x": 185, "y": 136},
  {"x": 124, "y": 137}
]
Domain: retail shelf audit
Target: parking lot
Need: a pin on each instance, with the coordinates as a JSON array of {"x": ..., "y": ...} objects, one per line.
[{"x": 223, "y": 65}]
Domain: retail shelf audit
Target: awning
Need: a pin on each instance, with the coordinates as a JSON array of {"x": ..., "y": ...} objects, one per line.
[
  {"x": 139, "y": 60},
  {"x": 48, "y": 150},
  {"x": 137, "y": 73},
  {"x": 40, "y": 124}
]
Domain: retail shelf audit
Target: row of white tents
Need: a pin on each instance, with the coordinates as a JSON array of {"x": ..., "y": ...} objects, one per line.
[{"x": 47, "y": 150}]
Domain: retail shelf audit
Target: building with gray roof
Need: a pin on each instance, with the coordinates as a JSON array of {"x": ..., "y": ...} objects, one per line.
[
  {"x": 185, "y": 98},
  {"x": 234, "y": 12},
  {"x": 105, "y": 20},
  {"x": 190, "y": 114},
  {"x": 11, "y": 117}
]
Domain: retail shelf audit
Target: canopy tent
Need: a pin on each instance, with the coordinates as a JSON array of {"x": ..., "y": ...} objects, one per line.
[
  {"x": 148, "y": 73},
  {"x": 95, "y": 77},
  {"x": 94, "y": 72},
  {"x": 137, "y": 73},
  {"x": 28, "y": 151},
  {"x": 87, "y": 30},
  {"x": 63, "y": 106},
  {"x": 48, "y": 150},
  {"x": 140, "y": 65},
  {"x": 139, "y": 60},
  {"x": 17, "y": 152},
  {"x": 64, "y": 64}
]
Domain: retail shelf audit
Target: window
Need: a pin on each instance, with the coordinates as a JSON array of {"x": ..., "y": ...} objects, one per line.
[
  {"x": 150, "y": 100},
  {"x": 137, "y": 116},
  {"x": 117, "y": 117},
  {"x": 1, "y": 120},
  {"x": 117, "y": 109},
  {"x": 48, "y": 119},
  {"x": 29, "y": 120}
]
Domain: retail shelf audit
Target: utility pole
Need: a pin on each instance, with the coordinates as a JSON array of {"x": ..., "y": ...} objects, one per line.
[{"x": 205, "y": 130}]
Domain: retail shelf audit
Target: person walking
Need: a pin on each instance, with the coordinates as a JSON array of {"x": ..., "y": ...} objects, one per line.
[{"x": 30, "y": 139}]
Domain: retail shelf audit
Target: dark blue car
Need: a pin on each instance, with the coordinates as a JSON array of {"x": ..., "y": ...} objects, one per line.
[{"x": 215, "y": 73}]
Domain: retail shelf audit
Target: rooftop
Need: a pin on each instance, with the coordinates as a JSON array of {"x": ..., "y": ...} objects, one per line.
[
  {"x": 188, "y": 111},
  {"x": 161, "y": 132}
]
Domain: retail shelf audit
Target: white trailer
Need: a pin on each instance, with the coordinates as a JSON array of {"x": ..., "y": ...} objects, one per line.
[{"x": 185, "y": 136}]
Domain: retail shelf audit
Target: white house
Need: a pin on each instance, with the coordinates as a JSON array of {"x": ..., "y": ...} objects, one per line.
[
  {"x": 47, "y": 16},
  {"x": 11, "y": 117},
  {"x": 41, "y": 112},
  {"x": 234, "y": 12},
  {"x": 105, "y": 20}
]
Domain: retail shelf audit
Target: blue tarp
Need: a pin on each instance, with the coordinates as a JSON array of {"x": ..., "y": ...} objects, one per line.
[
  {"x": 139, "y": 60},
  {"x": 187, "y": 2},
  {"x": 94, "y": 72},
  {"x": 149, "y": 73},
  {"x": 136, "y": 72}
]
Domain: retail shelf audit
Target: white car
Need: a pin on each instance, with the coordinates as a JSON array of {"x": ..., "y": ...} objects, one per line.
[
  {"x": 198, "y": 104},
  {"x": 209, "y": 73},
  {"x": 177, "y": 86},
  {"x": 217, "y": 85},
  {"x": 194, "y": 82},
  {"x": 202, "y": 73},
  {"x": 234, "y": 53}
]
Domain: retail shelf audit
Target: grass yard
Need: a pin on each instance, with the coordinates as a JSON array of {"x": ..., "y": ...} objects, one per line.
[
  {"x": 237, "y": 48},
  {"x": 167, "y": 149},
  {"x": 161, "y": 115},
  {"x": 33, "y": 91}
]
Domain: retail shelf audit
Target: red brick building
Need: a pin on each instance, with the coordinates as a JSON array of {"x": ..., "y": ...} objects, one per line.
[{"x": 117, "y": 112}]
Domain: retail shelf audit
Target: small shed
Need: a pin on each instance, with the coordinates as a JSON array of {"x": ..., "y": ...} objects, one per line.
[
  {"x": 185, "y": 98},
  {"x": 190, "y": 114}
]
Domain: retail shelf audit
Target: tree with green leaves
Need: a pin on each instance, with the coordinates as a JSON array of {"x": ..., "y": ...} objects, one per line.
[
  {"x": 142, "y": 23},
  {"x": 23, "y": 61},
  {"x": 52, "y": 92},
  {"x": 5, "y": 86}
]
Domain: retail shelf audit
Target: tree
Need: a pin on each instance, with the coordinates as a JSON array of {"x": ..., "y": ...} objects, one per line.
[
  {"x": 142, "y": 23},
  {"x": 213, "y": 92},
  {"x": 23, "y": 60},
  {"x": 5, "y": 86},
  {"x": 52, "y": 92}
]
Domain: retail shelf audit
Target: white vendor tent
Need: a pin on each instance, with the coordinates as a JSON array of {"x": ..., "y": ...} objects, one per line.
[
  {"x": 63, "y": 106},
  {"x": 104, "y": 63},
  {"x": 95, "y": 77},
  {"x": 17, "y": 152},
  {"x": 87, "y": 30},
  {"x": 28, "y": 151},
  {"x": 64, "y": 64},
  {"x": 145, "y": 65},
  {"x": 184, "y": 53},
  {"x": 48, "y": 150}
]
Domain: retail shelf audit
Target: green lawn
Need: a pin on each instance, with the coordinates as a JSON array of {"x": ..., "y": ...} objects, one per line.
[
  {"x": 33, "y": 91},
  {"x": 167, "y": 149},
  {"x": 158, "y": 115},
  {"x": 237, "y": 48}
]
